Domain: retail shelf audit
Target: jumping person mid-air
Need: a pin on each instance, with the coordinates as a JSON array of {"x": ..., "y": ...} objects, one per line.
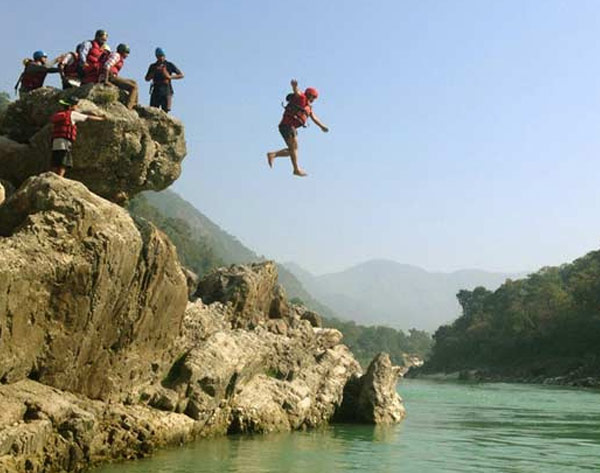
[{"x": 296, "y": 115}]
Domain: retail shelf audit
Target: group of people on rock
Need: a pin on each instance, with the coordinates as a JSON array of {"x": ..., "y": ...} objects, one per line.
[{"x": 93, "y": 61}]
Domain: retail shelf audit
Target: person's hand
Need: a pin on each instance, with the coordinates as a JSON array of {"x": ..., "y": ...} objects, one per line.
[{"x": 294, "y": 83}]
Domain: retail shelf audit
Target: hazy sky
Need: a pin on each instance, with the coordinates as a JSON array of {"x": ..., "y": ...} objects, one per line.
[{"x": 463, "y": 133}]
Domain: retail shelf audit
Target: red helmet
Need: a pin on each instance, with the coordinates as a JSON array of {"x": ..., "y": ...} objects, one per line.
[{"x": 312, "y": 92}]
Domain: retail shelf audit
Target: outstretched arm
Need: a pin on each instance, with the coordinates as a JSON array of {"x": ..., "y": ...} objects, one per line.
[
  {"x": 295, "y": 88},
  {"x": 318, "y": 122}
]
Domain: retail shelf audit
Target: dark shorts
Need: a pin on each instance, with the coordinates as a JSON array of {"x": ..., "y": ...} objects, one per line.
[
  {"x": 161, "y": 98},
  {"x": 287, "y": 131},
  {"x": 61, "y": 158}
]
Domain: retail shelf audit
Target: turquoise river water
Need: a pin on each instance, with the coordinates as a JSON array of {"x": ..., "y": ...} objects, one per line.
[{"x": 450, "y": 427}]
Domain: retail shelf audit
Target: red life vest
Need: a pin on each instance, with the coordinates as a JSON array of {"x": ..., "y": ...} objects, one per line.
[
  {"x": 63, "y": 126},
  {"x": 32, "y": 80},
  {"x": 297, "y": 111},
  {"x": 95, "y": 53},
  {"x": 70, "y": 70},
  {"x": 93, "y": 63},
  {"x": 117, "y": 67}
]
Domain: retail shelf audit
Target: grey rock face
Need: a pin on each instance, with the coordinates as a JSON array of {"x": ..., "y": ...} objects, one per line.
[
  {"x": 129, "y": 152},
  {"x": 251, "y": 291},
  {"x": 261, "y": 380},
  {"x": 88, "y": 300}
]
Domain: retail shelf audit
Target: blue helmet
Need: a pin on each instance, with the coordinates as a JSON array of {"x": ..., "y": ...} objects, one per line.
[
  {"x": 39, "y": 55},
  {"x": 158, "y": 52}
]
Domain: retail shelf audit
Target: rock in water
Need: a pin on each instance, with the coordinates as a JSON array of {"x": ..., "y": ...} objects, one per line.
[
  {"x": 372, "y": 398},
  {"x": 131, "y": 151},
  {"x": 89, "y": 298}
]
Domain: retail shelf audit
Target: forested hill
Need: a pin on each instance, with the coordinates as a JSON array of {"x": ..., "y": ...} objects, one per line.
[
  {"x": 225, "y": 246},
  {"x": 545, "y": 325}
]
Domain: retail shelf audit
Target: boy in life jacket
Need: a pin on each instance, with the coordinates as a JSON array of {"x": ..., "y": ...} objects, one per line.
[
  {"x": 64, "y": 133},
  {"x": 296, "y": 114},
  {"x": 91, "y": 54},
  {"x": 110, "y": 74},
  {"x": 68, "y": 64},
  {"x": 34, "y": 74},
  {"x": 161, "y": 73}
]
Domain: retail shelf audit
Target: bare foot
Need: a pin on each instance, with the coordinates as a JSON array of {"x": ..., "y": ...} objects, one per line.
[
  {"x": 300, "y": 172},
  {"x": 270, "y": 158}
]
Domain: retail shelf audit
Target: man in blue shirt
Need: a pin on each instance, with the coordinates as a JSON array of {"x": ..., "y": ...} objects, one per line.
[{"x": 161, "y": 73}]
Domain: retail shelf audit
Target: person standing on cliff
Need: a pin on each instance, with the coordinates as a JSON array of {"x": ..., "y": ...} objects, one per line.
[
  {"x": 161, "y": 73},
  {"x": 296, "y": 114},
  {"x": 64, "y": 133}
]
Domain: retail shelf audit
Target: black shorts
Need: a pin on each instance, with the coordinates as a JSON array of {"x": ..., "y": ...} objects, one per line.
[
  {"x": 288, "y": 131},
  {"x": 161, "y": 98},
  {"x": 61, "y": 158}
]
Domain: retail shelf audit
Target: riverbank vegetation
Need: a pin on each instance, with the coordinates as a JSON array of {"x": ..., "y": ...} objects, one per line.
[{"x": 547, "y": 324}]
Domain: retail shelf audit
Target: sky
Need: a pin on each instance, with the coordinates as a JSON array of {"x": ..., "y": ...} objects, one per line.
[{"x": 463, "y": 134}]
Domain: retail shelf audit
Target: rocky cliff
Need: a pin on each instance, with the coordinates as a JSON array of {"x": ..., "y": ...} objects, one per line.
[
  {"x": 102, "y": 355},
  {"x": 130, "y": 151}
]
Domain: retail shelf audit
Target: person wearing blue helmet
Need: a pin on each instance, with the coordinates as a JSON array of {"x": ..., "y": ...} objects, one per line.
[
  {"x": 35, "y": 72},
  {"x": 161, "y": 73}
]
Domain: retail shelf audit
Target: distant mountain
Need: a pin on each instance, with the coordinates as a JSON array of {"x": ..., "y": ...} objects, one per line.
[{"x": 399, "y": 295}]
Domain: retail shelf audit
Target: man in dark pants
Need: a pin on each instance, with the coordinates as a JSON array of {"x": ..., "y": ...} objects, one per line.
[{"x": 161, "y": 73}]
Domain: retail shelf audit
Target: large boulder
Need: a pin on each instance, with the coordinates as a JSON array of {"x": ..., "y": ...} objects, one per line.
[
  {"x": 251, "y": 291},
  {"x": 372, "y": 398},
  {"x": 129, "y": 152},
  {"x": 280, "y": 376},
  {"x": 91, "y": 301}
]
